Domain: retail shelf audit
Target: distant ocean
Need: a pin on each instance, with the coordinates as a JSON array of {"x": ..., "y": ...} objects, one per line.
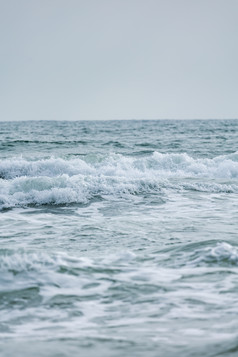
[{"x": 119, "y": 238}]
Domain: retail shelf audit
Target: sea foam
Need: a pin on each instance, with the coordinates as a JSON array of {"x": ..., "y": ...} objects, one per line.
[
  {"x": 65, "y": 181},
  {"x": 221, "y": 254}
]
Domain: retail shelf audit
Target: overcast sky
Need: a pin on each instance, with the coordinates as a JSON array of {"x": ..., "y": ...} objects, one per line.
[{"x": 118, "y": 59}]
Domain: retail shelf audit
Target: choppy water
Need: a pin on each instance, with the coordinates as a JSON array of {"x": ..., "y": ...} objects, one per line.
[{"x": 119, "y": 238}]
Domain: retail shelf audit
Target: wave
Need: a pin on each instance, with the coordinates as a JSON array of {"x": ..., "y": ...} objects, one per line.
[
  {"x": 20, "y": 270},
  {"x": 199, "y": 254},
  {"x": 61, "y": 269},
  {"x": 65, "y": 181},
  {"x": 222, "y": 253}
]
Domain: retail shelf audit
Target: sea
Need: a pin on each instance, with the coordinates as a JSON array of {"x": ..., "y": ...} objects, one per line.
[{"x": 119, "y": 238}]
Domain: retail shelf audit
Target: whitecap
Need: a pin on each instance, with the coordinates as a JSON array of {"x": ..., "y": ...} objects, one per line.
[{"x": 61, "y": 181}]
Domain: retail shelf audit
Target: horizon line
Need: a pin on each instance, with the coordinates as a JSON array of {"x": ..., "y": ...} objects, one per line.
[{"x": 122, "y": 119}]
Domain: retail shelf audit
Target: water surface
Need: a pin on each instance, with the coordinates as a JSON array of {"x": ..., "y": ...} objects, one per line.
[{"x": 119, "y": 238}]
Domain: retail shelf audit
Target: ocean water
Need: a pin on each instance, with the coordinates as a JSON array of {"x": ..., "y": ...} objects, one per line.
[{"x": 119, "y": 238}]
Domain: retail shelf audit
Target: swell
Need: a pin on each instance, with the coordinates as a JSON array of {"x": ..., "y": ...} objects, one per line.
[
  {"x": 65, "y": 181},
  {"x": 209, "y": 253},
  {"x": 62, "y": 270}
]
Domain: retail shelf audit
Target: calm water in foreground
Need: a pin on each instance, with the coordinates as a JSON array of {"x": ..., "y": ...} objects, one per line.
[{"x": 119, "y": 238}]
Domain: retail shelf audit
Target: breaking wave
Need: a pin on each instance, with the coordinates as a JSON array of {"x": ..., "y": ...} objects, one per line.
[
  {"x": 61, "y": 181},
  {"x": 221, "y": 254}
]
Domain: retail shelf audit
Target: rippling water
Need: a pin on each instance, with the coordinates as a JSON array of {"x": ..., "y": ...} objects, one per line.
[{"x": 119, "y": 238}]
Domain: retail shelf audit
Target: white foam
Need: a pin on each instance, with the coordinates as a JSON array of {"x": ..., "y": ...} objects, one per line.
[
  {"x": 25, "y": 262},
  {"x": 222, "y": 253},
  {"x": 61, "y": 181}
]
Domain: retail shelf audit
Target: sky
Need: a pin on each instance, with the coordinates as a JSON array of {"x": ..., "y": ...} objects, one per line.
[{"x": 118, "y": 59}]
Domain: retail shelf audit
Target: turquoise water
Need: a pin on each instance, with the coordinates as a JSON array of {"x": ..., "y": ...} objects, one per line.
[{"x": 119, "y": 238}]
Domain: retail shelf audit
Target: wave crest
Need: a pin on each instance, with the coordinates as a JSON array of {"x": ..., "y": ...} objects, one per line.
[{"x": 61, "y": 181}]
